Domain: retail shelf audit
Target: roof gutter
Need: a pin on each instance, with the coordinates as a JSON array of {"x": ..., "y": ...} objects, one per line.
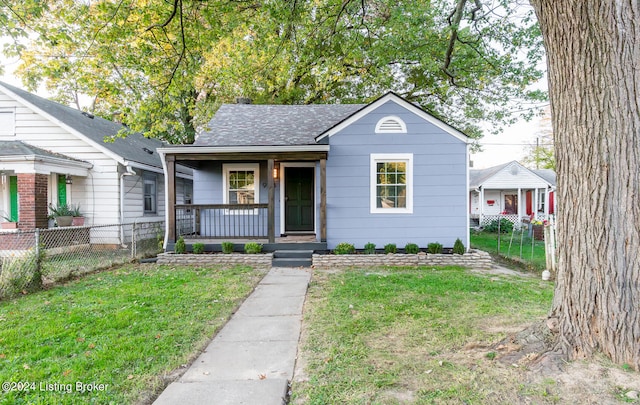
[{"x": 186, "y": 150}]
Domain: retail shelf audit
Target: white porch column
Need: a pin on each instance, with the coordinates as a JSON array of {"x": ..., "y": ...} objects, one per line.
[
  {"x": 518, "y": 206},
  {"x": 535, "y": 203},
  {"x": 481, "y": 202},
  {"x": 546, "y": 202}
]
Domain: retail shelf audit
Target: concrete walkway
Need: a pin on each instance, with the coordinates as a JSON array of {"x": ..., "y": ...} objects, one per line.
[{"x": 251, "y": 360}]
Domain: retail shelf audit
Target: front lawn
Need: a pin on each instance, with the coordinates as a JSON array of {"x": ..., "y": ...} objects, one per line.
[
  {"x": 114, "y": 334},
  {"x": 516, "y": 246},
  {"x": 387, "y": 336}
]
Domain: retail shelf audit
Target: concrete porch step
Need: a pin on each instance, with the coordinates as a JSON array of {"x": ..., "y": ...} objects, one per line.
[{"x": 292, "y": 258}]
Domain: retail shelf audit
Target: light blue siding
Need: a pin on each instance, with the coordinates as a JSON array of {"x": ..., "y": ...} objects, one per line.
[
  {"x": 439, "y": 183},
  {"x": 208, "y": 189}
]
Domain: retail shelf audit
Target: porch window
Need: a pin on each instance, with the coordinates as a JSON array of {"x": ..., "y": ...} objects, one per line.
[
  {"x": 241, "y": 183},
  {"x": 541, "y": 197},
  {"x": 510, "y": 204},
  {"x": 150, "y": 184},
  {"x": 392, "y": 183}
]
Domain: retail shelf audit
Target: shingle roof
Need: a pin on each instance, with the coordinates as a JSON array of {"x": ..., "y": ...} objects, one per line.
[
  {"x": 19, "y": 148},
  {"x": 272, "y": 125},
  {"x": 96, "y": 129},
  {"x": 479, "y": 176},
  {"x": 547, "y": 174}
]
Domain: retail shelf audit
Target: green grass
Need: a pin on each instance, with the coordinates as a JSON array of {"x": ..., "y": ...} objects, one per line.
[
  {"x": 125, "y": 328},
  {"x": 530, "y": 257},
  {"x": 416, "y": 336}
]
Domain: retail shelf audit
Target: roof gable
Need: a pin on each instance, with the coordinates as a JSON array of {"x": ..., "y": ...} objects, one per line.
[
  {"x": 92, "y": 129},
  {"x": 392, "y": 97},
  {"x": 509, "y": 175}
]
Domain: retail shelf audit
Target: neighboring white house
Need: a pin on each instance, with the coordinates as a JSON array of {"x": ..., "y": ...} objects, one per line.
[
  {"x": 512, "y": 191},
  {"x": 54, "y": 154}
]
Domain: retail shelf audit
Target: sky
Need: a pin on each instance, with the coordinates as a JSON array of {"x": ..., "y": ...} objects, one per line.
[{"x": 510, "y": 145}]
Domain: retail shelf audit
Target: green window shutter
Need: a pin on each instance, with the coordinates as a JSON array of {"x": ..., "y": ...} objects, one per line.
[
  {"x": 62, "y": 189},
  {"x": 13, "y": 198}
]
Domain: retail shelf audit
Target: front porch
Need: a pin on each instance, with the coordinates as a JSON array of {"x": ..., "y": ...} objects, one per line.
[{"x": 276, "y": 198}]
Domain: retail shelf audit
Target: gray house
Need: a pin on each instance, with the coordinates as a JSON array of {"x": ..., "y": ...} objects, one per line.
[{"x": 384, "y": 172}]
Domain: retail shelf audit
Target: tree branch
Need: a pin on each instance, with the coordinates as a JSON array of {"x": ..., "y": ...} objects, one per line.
[{"x": 176, "y": 3}]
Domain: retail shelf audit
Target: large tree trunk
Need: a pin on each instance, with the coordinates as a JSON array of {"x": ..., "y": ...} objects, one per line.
[{"x": 593, "y": 56}]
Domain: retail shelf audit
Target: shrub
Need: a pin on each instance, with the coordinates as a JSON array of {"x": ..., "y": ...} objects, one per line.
[
  {"x": 180, "y": 247},
  {"x": 344, "y": 248},
  {"x": 434, "y": 248},
  {"x": 198, "y": 248},
  {"x": 506, "y": 226},
  {"x": 411, "y": 248},
  {"x": 252, "y": 248},
  {"x": 20, "y": 273},
  {"x": 370, "y": 248},
  {"x": 227, "y": 247},
  {"x": 390, "y": 248},
  {"x": 458, "y": 247}
]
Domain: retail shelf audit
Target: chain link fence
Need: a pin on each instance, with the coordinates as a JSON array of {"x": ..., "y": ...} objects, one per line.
[{"x": 33, "y": 257}]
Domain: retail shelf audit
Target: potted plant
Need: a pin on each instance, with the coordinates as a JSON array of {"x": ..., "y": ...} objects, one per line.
[
  {"x": 62, "y": 214},
  {"x": 78, "y": 218},
  {"x": 8, "y": 223}
]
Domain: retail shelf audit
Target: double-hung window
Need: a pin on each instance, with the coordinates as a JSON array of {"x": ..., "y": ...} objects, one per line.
[
  {"x": 241, "y": 184},
  {"x": 392, "y": 183},
  {"x": 7, "y": 122},
  {"x": 150, "y": 186}
]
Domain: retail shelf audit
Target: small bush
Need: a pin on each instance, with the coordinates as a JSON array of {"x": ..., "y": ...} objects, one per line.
[
  {"x": 180, "y": 247},
  {"x": 434, "y": 248},
  {"x": 411, "y": 248},
  {"x": 506, "y": 226},
  {"x": 458, "y": 247},
  {"x": 370, "y": 248},
  {"x": 344, "y": 248},
  {"x": 227, "y": 247},
  {"x": 198, "y": 248},
  {"x": 252, "y": 248},
  {"x": 20, "y": 273},
  {"x": 390, "y": 248}
]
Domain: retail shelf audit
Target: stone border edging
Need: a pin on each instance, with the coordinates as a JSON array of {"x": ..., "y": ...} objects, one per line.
[
  {"x": 474, "y": 258},
  {"x": 258, "y": 261}
]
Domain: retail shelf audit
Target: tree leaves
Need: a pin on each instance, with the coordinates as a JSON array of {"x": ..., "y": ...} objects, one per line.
[{"x": 165, "y": 67}]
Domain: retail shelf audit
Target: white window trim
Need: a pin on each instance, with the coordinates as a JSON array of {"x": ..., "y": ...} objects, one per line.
[
  {"x": 226, "y": 168},
  {"x": 391, "y": 157},
  {"x": 8, "y": 130},
  {"x": 151, "y": 178},
  {"x": 380, "y": 130}
]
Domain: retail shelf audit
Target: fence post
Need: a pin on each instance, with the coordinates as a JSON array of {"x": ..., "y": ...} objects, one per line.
[
  {"x": 37, "y": 241},
  {"x": 134, "y": 229}
]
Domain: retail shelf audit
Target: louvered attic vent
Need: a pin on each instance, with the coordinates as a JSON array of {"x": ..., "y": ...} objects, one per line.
[{"x": 391, "y": 124}]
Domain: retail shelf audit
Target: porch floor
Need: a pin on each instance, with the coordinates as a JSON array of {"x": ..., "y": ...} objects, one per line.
[{"x": 281, "y": 239}]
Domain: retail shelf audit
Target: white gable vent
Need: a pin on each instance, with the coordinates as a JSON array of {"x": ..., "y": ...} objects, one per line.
[{"x": 391, "y": 124}]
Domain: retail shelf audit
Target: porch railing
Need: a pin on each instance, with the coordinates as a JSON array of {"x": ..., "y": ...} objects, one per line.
[{"x": 222, "y": 221}]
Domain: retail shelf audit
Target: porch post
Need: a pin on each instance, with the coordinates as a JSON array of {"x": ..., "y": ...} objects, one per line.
[
  {"x": 271, "y": 210},
  {"x": 171, "y": 197},
  {"x": 535, "y": 203},
  {"x": 518, "y": 203},
  {"x": 481, "y": 216},
  {"x": 323, "y": 200}
]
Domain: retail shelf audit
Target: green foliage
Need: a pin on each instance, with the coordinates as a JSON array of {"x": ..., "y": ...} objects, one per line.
[
  {"x": 411, "y": 248},
  {"x": 252, "y": 248},
  {"x": 390, "y": 248},
  {"x": 434, "y": 248},
  {"x": 227, "y": 247},
  {"x": 370, "y": 248},
  {"x": 61, "y": 210},
  {"x": 180, "y": 247},
  {"x": 198, "y": 248},
  {"x": 21, "y": 273},
  {"x": 505, "y": 225},
  {"x": 344, "y": 248},
  {"x": 166, "y": 79},
  {"x": 458, "y": 247}
]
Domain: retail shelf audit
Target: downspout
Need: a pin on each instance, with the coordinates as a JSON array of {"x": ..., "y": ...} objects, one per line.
[
  {"x": 128, "y": 172},
  {"x": 166, "y": 198}
]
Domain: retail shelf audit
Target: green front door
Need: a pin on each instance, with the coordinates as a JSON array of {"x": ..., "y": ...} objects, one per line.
[
  {"x": 13, "y": 198},
  {"x": 298, "y": 192},
  {"x": 62, "y": 189}
]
